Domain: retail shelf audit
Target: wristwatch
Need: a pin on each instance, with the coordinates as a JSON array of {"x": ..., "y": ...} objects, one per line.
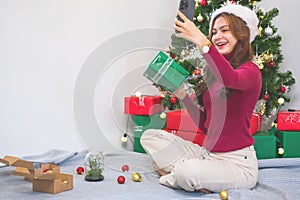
[{"x": 205, "y": 48}]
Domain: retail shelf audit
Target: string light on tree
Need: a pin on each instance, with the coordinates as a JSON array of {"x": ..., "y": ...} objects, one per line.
[
  {"x": 280, "y": 101},
  {"x": 280, "y": 151},
  {"x": 124, "y": 138}
]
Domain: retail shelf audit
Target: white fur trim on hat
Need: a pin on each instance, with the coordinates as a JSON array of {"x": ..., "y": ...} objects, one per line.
[{"x": 246, "y": 14}]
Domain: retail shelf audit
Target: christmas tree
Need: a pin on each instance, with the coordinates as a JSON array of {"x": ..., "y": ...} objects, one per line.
[{"x": 275, "y": 84}]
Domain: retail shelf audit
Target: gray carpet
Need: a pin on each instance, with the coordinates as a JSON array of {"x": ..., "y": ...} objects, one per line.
[{"x": 278, "y": 179}]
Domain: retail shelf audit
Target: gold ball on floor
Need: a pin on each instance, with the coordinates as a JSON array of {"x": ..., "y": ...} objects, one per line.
[
  {"x": 136, "y": 177},
  {"x": 223, "y": 195}
]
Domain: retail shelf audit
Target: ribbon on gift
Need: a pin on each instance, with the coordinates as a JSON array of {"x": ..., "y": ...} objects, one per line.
[
  {"x": 137, "y": 128},
  {"x": 141, "y": 101},
  {"x": 252, "y": 128},
  {"x": 163, "y": 68},
  {"x": 293, "y": 118}
]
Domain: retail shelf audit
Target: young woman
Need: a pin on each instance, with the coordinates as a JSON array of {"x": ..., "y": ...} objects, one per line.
[{"x": 231, "y": 89}]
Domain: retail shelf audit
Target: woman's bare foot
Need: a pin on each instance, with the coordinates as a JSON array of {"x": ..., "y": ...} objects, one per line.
[{"x": 159, "y": 171}]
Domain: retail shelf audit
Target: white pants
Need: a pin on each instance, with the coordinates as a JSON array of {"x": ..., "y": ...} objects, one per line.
[{"x": 192, "y": 167}]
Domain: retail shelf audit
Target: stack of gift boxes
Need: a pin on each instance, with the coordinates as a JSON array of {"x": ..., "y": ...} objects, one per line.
[
  {"x": 148, "y": 114},
  {"x": 281, "y": 141},
  {"x": 288, "y": 132}
]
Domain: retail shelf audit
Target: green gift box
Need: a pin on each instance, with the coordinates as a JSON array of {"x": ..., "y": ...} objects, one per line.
[
  {"x": 289, "y": 141},
  {"x": 164, "y": 71},
  {"x": 142, "y": 123},
  {"x": 265, "y": 145}
]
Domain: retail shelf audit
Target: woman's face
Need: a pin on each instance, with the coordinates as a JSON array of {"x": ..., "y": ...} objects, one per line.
[{"x": 222, "y": 37}]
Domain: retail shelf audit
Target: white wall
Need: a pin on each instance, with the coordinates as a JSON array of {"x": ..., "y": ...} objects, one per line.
[{"x": 47, "y": 48}]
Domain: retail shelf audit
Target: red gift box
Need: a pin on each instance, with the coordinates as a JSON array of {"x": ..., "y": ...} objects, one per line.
[
  {"x": 181, "y": 120},
  {"x": 255, "y": 123},
  {"x": 196, "y": 138},
  {"x": 144, "y": 105},
  {"x": 288, "y": 120}
]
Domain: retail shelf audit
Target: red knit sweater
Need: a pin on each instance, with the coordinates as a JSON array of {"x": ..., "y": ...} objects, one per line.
[{"x": 227, "y": 121}]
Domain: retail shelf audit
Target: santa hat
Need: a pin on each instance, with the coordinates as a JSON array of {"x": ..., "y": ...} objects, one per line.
[{"x": 246, "y": 14}]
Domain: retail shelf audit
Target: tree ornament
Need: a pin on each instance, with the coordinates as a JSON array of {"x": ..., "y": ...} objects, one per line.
[
  {"x": 121, "y": 179},
  {"x": 200, "y": 18},
  {"x": 223, "y": 195},
  {"x": 47, "y": 171},
  {"x": 260, "y": 30},
  {"x": 173, "y": 100},
  {"x": 203, "y": 3},
  {"x": 125, "y": 168},
  {"x": 268, "y": 31},
  {"x": 80, "y": 170},
  {"x": 280, "y": 101},
  {"x": 266, "y": 96},
  {"x": 136, "y": 177},
  {"x": 282, "y": 89},
  {"x": 271, "y": 63},
  {"x": 266, "y": 57}
]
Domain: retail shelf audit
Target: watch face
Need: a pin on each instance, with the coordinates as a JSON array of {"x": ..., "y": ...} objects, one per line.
[{"x": 205, "y": 49}]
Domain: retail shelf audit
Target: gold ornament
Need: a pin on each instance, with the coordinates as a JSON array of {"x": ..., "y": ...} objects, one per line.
[
  {"x": 136, "y": 177},
  {"x": 200, "y": 18},
  {"x": 223, "y": 195},
  {"x": 267, "y": 57},
  {"x": 260, "y": 31},
  {"x": 254, "y": 3}
]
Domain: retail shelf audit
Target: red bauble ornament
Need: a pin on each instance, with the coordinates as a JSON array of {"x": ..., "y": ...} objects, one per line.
[
  {"x": 47, "y": 171},
  {"x": 203, "y": 2},
  {"x": 173, "y": 100},
  {"x": 121, "y": 179},
  {"x": 197, "y": 72},
  {"x": 172, "y": 55},
  {"x": 125, "y": 168},
  {"x": 266, "y": 96},
  {"x": 271, "y": 64},
  {"x": 80, "y": 170},
  {"x": 283, "y": 89}
]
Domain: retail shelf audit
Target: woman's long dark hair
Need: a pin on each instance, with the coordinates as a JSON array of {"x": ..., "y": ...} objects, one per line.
[{"x": 241, "y": 53}]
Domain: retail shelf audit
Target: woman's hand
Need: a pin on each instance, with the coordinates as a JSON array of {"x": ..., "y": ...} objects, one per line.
[{"x": 189, "y": 31}]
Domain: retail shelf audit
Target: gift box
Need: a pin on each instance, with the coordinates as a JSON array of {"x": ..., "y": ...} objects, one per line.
[
  {"x": 143, "y": 105},
  {"x": 181, "y": 120},
  {"x": 46, "y": 179},
  {"x": 255, "y": 123},
  {"x": 163, "y": 70},
  {"x": 53, "y": 183},
  {"x": 265, "y": 145},
  {"x": 288, "y": 120},
  {"x": 289, "y": 141},
  {"x": 142, "y": 123},
  {"x": 196, "y": 138}
]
